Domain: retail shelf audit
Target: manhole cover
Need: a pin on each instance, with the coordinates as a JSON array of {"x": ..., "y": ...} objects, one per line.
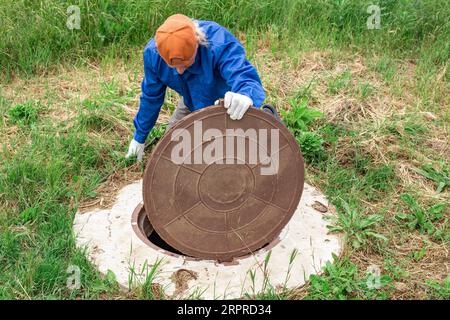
[{"x": 215, "y": 188}]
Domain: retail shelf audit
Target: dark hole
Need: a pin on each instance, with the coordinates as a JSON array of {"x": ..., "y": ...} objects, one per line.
[
  {"x": 153, "y": 236},
  {"x": 158, "y": 241}
]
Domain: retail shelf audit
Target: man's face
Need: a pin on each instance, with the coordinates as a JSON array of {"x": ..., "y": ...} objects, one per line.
[{"x": 182, "y": 65}]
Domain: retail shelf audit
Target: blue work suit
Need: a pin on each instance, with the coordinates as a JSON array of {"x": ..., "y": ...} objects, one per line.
[{"x": 219, "y": 67}]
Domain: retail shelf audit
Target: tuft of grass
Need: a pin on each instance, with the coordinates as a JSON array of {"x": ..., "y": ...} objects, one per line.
[
  {"x": 424, "y": 220},
  {"x": 267, "y": 290},
  {"x": 312, "y": 147},
  {"x": 439, "y": 290},
  {"x": 148, "y": 290},
  {"x": 342, "y": 280},
  {"x": 441, "y": 178},
  {"x": 365, "y": 90},
  {"x": 339, "y": 83},
  {"x": 386, "y": 67},
  {"x": 23, "y": 113},
  {"x": 299, "y": 117},
  {"x": 142, "y": 282},
  {"x": 356, "y": 227},
  {"x": 377, "y": 180}
]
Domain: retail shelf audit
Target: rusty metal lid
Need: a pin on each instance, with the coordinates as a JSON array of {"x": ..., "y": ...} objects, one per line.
[{"x": 212, "y": 210}]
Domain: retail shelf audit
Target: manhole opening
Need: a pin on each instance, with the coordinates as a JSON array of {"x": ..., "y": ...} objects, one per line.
[
  {"x": 146, "y": 233},
  {"x": 144, "y": 230},
  {"x": 159, "y": 242}
]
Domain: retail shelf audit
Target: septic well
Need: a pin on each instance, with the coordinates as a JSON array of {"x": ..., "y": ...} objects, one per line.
[
  {"x": 144, "y": 230},
  {"x": 113, "y": 246}
]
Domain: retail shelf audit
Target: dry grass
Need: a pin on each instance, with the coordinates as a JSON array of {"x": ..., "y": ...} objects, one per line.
[{"x": 108, "y": 190}]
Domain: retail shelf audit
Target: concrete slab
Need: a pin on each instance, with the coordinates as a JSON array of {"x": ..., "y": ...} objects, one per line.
[{"x": 302, "y": 249}]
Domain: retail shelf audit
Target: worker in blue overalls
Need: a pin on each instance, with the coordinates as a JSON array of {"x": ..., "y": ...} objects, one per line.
[{"x": 203, "y": 62}]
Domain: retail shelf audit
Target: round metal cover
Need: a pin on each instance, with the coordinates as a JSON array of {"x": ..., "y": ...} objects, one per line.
[{"x": 230, "y": 190}]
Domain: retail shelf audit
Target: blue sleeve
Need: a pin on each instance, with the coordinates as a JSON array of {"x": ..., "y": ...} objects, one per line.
[
  {"x": 237, "y": 71},
  {"x": 151, "y": 100}
]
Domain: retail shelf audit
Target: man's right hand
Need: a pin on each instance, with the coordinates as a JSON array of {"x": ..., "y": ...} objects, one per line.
[{"x": 136, "y": 149}]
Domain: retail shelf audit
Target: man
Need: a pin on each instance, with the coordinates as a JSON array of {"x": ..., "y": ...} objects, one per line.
[{"x": 203, "y": 62}]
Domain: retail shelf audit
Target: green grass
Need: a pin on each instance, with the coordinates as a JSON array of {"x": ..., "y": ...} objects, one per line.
[
  {"x": 298, "y": 119},
  {"x": 42, "y": 179},
  {"x": 341, "y": 281},
  {"x": 440, "y": 178},
  {"x": 25, "y": 113},
  {"x": 431, "y": 221},
  {"x": 439, "y": 290},
  {"x": 357, "y": 228},
  {"x": 339, "y": 83},
  {"x": 374, "y": 140},
  {"x": 142, "y": 281},
  {"x": 113, "y": 27}
]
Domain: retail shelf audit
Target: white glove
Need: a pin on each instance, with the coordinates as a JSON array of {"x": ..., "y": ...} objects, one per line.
[
  {"x": 137, "y": 149},
  {"x": 237, "y": 104}
]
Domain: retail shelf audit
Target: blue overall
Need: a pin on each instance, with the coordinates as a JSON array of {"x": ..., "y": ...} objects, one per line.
[{"x": 219, "y": 67}]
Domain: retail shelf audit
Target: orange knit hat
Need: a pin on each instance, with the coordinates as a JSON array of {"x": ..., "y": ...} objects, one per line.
[{"x": 175, "y": 38}]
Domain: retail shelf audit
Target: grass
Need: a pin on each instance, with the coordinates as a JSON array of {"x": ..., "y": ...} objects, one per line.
[
  {"x": 440, "y": 178},
  {"x": 24, "y": 113},
  {"x": 342, "y": 280},
  {"x": 368, "y": 108},
  {"x": 143, "y": 282},
  {"x": 47, "y": 166},
  {"x": 358, "y": 229},
  {"x": 439, "y": 290},
  {"x": 114, "y": 28},
  {"x": 425, "y": 220}
]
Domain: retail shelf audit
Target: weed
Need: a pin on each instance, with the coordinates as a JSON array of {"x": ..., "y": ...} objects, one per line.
[
  {"x": 304, "y": 93},
  {"x": 356, "y": 227},
  {"x": 364, "y": 90},
  {"x": 311, "y": 145},
  {"x": 418, "y": 255},
  {"x": 299, "y": 117},
  {"x": 156, "y": 133},
  {"x": 439, "y": 290},
  {"x": 144, "y": 280},
  {"x": 386, "y": 67},
  {"x": 393, "y": 268},
  {"x": 441, "y": 178},
  {"x": 148, "y": 288},
  {"x": 24, "y": 113},
  {"x": 267, "y": 291},
  {"x": 341, "y": 280},
  {"x": 423, "y": 219},
  {"x": 415, "y": 128},
  {"x": 377, "y": 180},
  {"x": 340, "y": 82}
]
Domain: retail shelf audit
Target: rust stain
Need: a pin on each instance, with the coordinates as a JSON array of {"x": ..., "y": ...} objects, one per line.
[{"x": 181, "y": 278}]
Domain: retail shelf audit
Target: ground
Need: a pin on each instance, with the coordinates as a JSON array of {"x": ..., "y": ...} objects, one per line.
[{"x": 379, "y": 150}]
